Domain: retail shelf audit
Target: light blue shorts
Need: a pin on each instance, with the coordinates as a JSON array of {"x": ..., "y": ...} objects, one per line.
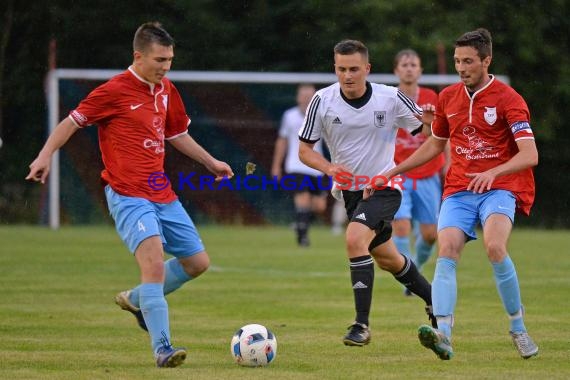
[
  {"x": 466, "y": 210},
  {"x": 421, "y": 199},
  {"x": 137, "y": 219}
]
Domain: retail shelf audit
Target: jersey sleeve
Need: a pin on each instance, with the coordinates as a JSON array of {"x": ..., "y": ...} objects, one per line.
[
  {"x": 406, "y": 111},
  {"x": 312, "y": 127},
  {"x": 518, "y": 118},
  {"x": 96, "y": 107},
  {"x": 177, "y": 121}
]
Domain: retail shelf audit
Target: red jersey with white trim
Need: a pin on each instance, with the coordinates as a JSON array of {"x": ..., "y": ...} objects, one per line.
[
  {"x": 134, "y": 118},
  {"x": 483, "y": 130},
  {"x": 406, "y": 144}
]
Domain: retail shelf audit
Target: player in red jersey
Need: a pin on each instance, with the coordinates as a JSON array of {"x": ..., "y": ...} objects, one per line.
[
  {"x": 492, "y": 154},
  {"x": 421, "y": 187},
  {"x": 136, "y": 111}
]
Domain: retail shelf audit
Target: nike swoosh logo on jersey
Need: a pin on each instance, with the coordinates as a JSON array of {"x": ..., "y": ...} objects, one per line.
[
  {"x": 450, "y": 115},
  {"x": 134, "y": 107}
]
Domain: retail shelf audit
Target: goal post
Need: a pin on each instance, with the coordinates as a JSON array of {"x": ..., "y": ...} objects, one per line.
[{"x": 55, "y": 76}]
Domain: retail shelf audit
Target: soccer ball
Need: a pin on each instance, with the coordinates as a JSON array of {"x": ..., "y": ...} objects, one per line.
[{"x": 253, "y": 346}]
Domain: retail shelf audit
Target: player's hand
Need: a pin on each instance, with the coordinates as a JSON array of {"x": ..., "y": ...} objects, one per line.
[
  {"x": 221, "y": 170},
  {"x": 367, "y": 192},
  {"x": 39, "y": 169},
  {"x": 341, "y": 176},
  {"x": 335, "y": 170},
  {"x": 480, "y": 182},
  {"x": 380, "y": 181},
  {"x": 427, "y": 114}
]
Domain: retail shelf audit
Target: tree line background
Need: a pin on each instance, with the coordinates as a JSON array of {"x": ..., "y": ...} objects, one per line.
[{"x": 530, "y": 46}]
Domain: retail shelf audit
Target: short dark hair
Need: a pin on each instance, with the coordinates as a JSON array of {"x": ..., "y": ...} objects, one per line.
[
  {"x": 149, "y": 33},
  {"x": 347, "y": 47},
  {"x": 404, "y": 53},
  {"x": 480, "y": 40}
]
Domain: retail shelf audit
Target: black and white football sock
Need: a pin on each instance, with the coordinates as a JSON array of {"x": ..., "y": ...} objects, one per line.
[
  {"x": 362, "y": 277},
  {"x": 412, "y": 279}
]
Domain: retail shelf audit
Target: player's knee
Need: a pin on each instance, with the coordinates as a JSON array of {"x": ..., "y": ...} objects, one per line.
[
  {"x": 303, "y": 200},
  {"x": 448, "y": 249},
  {"x": 153, "y": 271},
  {"x": 402, "y": 227},
  {"x": 319, "y": 207},
  {"x": 195, "y": 265},
  {"x": 430, "y": 238},
  {"x": 429, "y": 235},
  {"x": 201, "y": 268},
  {"x": 495, "y": 251},
  {"x": 355, "y": 243}
]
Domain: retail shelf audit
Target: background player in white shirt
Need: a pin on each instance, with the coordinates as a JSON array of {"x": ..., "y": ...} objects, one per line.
[
  {"x": 308, "y": 200},
  {"x": 359, "y": 121}
]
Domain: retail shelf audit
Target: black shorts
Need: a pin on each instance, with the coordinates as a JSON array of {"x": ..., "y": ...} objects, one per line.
[
  {"x": 316, "y": 185},
  {"x": 374, "y": 212}
]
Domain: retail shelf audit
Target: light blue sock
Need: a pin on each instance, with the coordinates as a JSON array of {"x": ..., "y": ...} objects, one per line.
[
  {"x": 444, "y": 292},
  {"x": 403, "y": 245},
  {"x": 423, "y": 251},
  {"x": 174, "y": 277},
  {"x": 155, "y": 313},
  {"x": 508, "y": 287}
]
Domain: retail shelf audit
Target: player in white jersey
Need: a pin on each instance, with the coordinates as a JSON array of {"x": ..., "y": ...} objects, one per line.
[
  {"x": 309, "y": 198},
  {"x": 358, "y": 121}
]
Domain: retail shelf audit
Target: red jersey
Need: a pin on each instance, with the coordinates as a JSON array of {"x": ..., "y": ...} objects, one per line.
[
  {"x": 134, "y": 118},
  {"x": 483, "y": 130},
  {"x": 406, "y": 144}
]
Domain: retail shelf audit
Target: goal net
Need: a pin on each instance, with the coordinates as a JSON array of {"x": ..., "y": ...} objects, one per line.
[{"x": 235, "y": 116}]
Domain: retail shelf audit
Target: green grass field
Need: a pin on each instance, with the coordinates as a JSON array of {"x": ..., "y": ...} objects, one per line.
[{"x": 58, "y": 319}]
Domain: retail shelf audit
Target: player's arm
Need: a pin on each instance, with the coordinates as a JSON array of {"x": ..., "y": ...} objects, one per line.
[
  {"x": 526, "y": 157},
  {"x": 447, "y": 155},
  {"x": 278, "y": 156},
  {"x": 186, "y": 145},
  {"x": 315, "y": 160},
  {"x": 39, "y": 168},
  {"x": 309, "y": 134},
  {"x": 427, "y": 151}
]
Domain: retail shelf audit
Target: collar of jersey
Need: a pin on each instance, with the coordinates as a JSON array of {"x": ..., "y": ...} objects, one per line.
[
  {"x": 471, "y": 95},
  {"x": 150, "y": 84}
]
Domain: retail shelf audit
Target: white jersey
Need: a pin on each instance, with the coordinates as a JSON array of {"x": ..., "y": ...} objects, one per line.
[
  {"x": 362, "y": 139},
  {"x": 291, "y": 122}
]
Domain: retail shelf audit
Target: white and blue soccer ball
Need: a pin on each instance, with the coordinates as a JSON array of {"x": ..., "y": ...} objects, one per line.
[{"x": 254, "y": 345}]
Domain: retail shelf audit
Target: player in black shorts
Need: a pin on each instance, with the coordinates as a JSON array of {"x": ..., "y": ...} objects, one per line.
[{"x": 359, "y": 121}]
